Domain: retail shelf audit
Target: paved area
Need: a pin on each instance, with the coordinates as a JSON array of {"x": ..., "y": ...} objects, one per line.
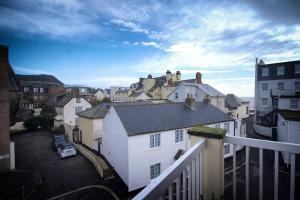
[
  {"x": 34, "y": 152},
  {"x": 268, "y": 175}
]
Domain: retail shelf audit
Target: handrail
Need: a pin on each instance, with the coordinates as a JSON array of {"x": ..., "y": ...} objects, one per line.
[
  {"x": 162, "y": 182},
  {"x": 263, "y": 144}
]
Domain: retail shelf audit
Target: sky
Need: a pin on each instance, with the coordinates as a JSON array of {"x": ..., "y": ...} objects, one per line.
[{"x": 103, "y": 43}]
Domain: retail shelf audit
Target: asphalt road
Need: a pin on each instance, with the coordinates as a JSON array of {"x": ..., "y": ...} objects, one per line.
[
  {"x": 268, "y": 176},
  {"x": 33, "y": 151}
]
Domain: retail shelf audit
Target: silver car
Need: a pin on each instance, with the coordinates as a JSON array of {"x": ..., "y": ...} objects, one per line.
[{"x": 66, "y": 150}]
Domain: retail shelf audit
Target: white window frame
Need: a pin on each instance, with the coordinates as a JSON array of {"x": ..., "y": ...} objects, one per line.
[
  {"x": 281, "y": 71},
  {"x": 155, "y": 170},
  {"x": 265, "y": 72},
  {"x": 35, "y": 90},
  {"x": 78, "y": 100},
  {"x": 78, "y": 109},
  {"x": 227, "y": 126},
  {"x": 226, "y": 148},
  {"x": 279, "y": 88},
  {"x": 26, "y": 89},
  {"x": 265, "y": 87},
  {"x": 76, "y": 121},
  {"x": 42, "y": 90},
  {"x": 294, "y": 104},
  {"x": 155, "y": 140},
  {"x": 262, "y": 102},
  {"x": 178, "y": 135}
]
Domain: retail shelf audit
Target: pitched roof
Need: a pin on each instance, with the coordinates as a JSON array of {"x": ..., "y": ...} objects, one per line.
[
  {"x": 65, "y": 100},
  {"x": 13, "y": 86},
  {"x": 53, "y": 100},
  {"x": 41, "y": 78},
  {"x": 135, "y": 94},
  {"x": 96, "y": 112},
  {"x": 211, "y": 91},
  {"x": 149, "y": 118},
  {"x": 232, "y": 101}
]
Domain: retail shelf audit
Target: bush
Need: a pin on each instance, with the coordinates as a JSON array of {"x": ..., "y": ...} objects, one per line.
[
  {"x": 105, "y": 99},
  {"x": 32, "y": 123},
  {"x": 48, "y": 112},
  {"x": 46, "y": 123},
  {"x": 59, "y": 130}
]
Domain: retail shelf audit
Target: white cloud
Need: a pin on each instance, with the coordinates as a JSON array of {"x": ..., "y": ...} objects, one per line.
[
  {"x": 130, "y": 25},
  {"x": 29, "y": 71}
]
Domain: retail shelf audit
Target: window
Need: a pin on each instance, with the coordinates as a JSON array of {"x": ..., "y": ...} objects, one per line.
[
  {"x": 154, "y": 170},
  {"x": 280, "y": 86},
  {"x": 275, "y": 103},
  {"x": 41, "y": 90},
  {"x": 226, "y": 126},
  {"x": 264, "y": 86},
  {"x": 265, "y": 71},
  {"x": 176, "y": 95},
  {"x": 178, "y": 136},
  {"x": 78, "y": 109},
  {"x": 76, "y": 121},
  {"x": 227, "y": 149},
  {"x": 78, "y": 100},
  {"x": 280, "y": 70},
  {"x": 297, "y": 86},
  {"x": 294, "y": 104},
  {"x": 297, "y": 69},
  {"x": 247, "y": 110},
  {"x": 35, "y": 90},
  {"x": 264, "y": 101},
  {"x": 26, "y": 89},
  {"x": 217, "y": 125},
  {"x": 235, "y": 124},
  {"x": 155, "y": 140}
]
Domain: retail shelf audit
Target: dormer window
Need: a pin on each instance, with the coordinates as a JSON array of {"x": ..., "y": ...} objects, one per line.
[
  {"x": 265, "y": 71},
  {"x": 280, "y": 70}
]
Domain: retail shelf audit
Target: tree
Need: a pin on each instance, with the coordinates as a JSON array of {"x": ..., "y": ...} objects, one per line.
[
  {"x": 46, "y": 122},
  {"x": 32, "y": 123},
  {"x": 105, "y": 99},
  {"x": 48, "y": 112}
]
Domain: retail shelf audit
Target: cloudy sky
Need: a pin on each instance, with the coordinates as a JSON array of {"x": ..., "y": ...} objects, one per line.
[{"x": 112, "y": 42}]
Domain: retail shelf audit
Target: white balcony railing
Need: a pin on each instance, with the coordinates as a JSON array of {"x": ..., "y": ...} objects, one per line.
[{"x": 184, "y": 180}]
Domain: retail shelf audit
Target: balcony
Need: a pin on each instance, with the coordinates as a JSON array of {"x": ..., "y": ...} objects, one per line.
[{"x": 199, "y": 173}]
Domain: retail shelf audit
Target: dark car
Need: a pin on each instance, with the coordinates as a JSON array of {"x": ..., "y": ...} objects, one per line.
[{"x": 58, "y": 140}]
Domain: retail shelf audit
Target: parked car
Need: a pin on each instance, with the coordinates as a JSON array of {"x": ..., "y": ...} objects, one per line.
[
  {"x": 66, "y": 150},
  {"x": 58, "y": 140}
]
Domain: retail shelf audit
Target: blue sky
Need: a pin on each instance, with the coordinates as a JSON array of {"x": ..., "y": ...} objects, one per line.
[{"x": 103, "y": 43}]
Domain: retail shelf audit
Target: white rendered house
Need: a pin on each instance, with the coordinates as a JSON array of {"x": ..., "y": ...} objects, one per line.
[
  {"x": 142, "y": 140},
  {"x": 67, "y": 110}
]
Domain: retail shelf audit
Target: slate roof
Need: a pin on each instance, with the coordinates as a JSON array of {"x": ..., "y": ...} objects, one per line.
[
  {"x": 135, "y": 94},
  {"x": 65, "y": 100},
  {"x": 13, "y": 86},
  {"x": 96, "y": 112},
  {"x": 149, "y": 118},
  {"x": 210, "y": 90},
  {"x": 232, "y": 101},
  {"x": 53, "y": 100},
  {"x": 44, "y": 78}
]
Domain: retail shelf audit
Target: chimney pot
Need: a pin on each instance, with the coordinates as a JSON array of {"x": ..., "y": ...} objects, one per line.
[{"x": 190, "y": 102}]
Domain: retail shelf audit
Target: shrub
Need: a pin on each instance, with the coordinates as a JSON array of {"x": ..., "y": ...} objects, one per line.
[
  {"x": 59, "y": 130},
  {"x": 46, "y": 122},
  {"x": 32, "y": 123},
  {"x": 48, "y": 112},
  {"x": 106, "y": 99}
]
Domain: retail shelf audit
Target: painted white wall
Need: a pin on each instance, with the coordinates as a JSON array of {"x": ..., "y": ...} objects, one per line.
[
  {"x": 141, "y": 156},
  {"x": 99, "y": 95},
  {"x": 288, "y": 131},
  {"x": 183, "y": 89},
  {"x": 284, "y": 103},
  {"x": 69, "y": 113},
  {"x": 115, "y": 144},
  {"x": 142, "y": 97}
]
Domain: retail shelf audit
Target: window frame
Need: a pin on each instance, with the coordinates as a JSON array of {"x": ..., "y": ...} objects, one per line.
[
  {"x": 279, "y": 89},
  {"x": 155, "y": 140},
  {"x": 297, "y": 69},
  {"x": 265, "y": 71},
  {"x": 155, "y": 170},
  {"x": 178, "y": 136},
  {"x": 266, "y": 88},
  {"x": 282, "y": 71},
  {"x": 262, "y": 102},
  {"x": 78, "y": 100},
  {"x": 295, "y": 105},
  {"x": 78, "y": 109},
  {"x": 297, "y": 83},
  {"x": 35, "y": 90}
]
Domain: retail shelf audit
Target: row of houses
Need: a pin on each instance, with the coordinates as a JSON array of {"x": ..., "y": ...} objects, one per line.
[{"x": 141, "y": 139}]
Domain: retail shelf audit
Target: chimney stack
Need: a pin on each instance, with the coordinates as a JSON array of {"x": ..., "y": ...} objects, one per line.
[
  {"x": 198, "y": 78},
  {"x": 190, "y": 102},
  {"x": 168, "y": 75},
  {"x": 149, "y": 76},
  {"x": 178, "y": 76}
]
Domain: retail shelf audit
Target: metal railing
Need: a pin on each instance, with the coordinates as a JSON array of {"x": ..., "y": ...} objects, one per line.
[
  {"x": 182, "y": 180},
  {"x": 277, "y": 147}
]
